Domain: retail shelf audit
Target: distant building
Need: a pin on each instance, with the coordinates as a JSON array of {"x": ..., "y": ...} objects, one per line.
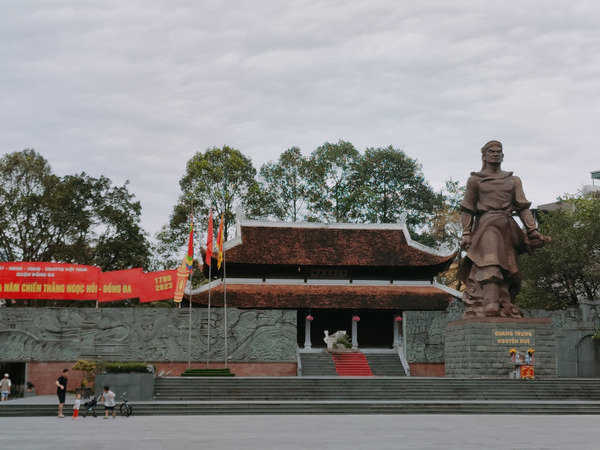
[{"x": 586, "y": 190}]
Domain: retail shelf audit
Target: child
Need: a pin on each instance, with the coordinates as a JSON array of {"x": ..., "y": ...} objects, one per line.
[
  {"x": 76, "y": 407},
  {"x": 108, "y": 397}
]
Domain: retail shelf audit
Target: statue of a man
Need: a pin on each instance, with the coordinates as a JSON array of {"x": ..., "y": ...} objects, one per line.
[{"x": 493, "y": 239}]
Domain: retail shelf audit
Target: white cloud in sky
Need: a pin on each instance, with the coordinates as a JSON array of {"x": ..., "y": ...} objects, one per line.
[{"x": 131, "y": 90}]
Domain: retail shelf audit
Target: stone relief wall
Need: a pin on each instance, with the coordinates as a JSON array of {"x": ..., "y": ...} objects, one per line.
[
  {"x": 426, "y": 333},
  {"x": 145, "y": 334}
]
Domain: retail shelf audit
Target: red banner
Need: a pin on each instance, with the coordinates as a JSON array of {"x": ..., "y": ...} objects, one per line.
[
  {"x": 55, "y": 281},
  {"x": 157, "y": 286},
  {"x": 119, "y": 285}
]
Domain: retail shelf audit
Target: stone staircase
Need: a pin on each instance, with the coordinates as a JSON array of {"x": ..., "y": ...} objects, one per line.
[
  {"x": 317, "y": 364},
  {"x": 385, "y": 364},
  {"x": 381, "y": 364},
  {"x": 355, "y": 395},
  {"x": 351, "y": 365},
  {"x": 377, "y": 395}
]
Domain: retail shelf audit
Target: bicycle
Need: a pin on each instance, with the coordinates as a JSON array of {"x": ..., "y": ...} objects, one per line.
[{"x": 125, "y": 408}]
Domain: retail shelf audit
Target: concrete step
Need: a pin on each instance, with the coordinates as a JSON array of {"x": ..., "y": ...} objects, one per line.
[
  {"x": 353, "y": 395},
  {"x": 351, "y": 364},
  {"x": 317, "y": 364},
  {"x": 390, "y": 388},
  {"x": 325, "y": 407},
  {"x": 385, "y": 365}
]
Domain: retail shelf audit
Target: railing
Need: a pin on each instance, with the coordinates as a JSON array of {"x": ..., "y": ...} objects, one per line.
[
  {"x": 403, "y": 360},
  {"x": 299, "y": 362}
]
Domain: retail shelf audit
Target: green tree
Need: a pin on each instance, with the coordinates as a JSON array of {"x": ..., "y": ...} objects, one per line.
[
  {"x": 284, "y": 187},
  {"x": 446, "y": 229},
  {"x": 445, "y": 226},
  {"x": 76, "y": 219},
  {"x": 217, "y": 179},
  {"x": 392, "y": 184},
  {"x": 566, "y": 270},
  {"x": 332, "y": 186}
]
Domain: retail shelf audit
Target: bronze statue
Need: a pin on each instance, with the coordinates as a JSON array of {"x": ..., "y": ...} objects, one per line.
[{"x": 493, "y": 239}]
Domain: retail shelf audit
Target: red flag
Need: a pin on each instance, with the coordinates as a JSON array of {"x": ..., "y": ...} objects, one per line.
[
  {"x": 209, "y": 239},
  {"x": 220, "y": 243}
]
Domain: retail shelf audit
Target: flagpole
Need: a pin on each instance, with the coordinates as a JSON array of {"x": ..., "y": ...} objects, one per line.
[
  {"x": 208, "y": 260},
  {"x": 191, "y": 286},
  {"x": 190, "y": 328},
  {"x": 225, "y": 303},
  {"x": 208, "y": 318}
]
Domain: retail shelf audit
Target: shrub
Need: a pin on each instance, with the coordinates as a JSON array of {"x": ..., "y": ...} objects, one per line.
[{"x": 129, "y": 367}]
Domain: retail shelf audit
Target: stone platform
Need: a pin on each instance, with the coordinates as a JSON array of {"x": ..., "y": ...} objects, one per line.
[{"x": 480, "y": 347}]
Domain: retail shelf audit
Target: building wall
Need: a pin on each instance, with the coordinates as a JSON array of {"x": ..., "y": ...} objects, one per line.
[
  {"x": 43, "y": 375},
  {"x": 427, "y": 370}
]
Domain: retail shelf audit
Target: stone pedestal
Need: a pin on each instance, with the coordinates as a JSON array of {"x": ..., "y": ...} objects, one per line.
[
  {"x": 139, "y": 386},
  {"x": 480, "y": 347}
]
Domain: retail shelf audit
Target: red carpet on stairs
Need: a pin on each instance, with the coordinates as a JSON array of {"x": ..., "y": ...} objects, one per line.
[{"x": 351, "y": 365}]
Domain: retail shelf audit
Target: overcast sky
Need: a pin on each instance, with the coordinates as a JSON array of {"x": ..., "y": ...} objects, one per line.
[{"x": 132, "y": 89}]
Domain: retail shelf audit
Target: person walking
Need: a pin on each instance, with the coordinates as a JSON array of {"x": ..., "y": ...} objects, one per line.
[
  {"x": 61, "y": 391},
  {"x": 5, "y": 385}
]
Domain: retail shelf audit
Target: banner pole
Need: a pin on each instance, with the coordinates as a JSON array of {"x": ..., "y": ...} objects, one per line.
[
  {"x": 208, "y": 317},
  {"x": 225, "y": 303},
  {"x": 190, "y": 299}
]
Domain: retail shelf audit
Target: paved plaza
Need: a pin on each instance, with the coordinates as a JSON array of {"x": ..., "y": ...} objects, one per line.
[{"x": 314, "y": 432}]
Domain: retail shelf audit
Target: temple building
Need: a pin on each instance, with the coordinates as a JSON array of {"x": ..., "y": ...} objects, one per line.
[{"x": 359, "y": 278}]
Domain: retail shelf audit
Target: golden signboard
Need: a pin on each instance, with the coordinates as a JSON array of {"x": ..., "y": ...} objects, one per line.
[{"x": 513, "y": 337}]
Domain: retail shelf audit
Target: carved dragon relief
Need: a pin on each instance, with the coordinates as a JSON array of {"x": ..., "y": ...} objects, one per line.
[{"x": 134, "y": 334}]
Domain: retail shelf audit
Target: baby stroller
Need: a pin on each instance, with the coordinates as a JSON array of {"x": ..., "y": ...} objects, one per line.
[{"x": 88, "y": 407}]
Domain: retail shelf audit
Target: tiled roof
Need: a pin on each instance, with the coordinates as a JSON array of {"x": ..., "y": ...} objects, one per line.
[
  {"x": 339, "y": 245},
  {"x": 296, "y": 296}
]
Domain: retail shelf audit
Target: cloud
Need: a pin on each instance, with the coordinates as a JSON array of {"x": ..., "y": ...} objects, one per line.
[{"x": 132, "y": 90}]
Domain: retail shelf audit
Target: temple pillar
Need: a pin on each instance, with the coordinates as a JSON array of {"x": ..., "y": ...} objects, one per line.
[
  {"x": 354, "y": 333},
  {"x": 307, "y": 321},
  {"x": 397, "y": 323}
]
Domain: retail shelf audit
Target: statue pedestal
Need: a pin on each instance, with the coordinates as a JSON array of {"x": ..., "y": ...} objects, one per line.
[{"x": 480, "y": 347}]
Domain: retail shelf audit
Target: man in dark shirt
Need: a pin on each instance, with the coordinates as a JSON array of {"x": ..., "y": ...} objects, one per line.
[{"x": 61, "y": 391}]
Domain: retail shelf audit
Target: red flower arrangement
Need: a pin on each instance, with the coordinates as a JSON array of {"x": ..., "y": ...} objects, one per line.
[
  {"x": 356, "y": 318},
  {"x": 309, "y": 317},
  {"x": 398, "y": 319}
]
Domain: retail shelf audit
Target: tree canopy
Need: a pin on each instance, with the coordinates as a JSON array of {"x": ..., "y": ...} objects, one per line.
[
  {"x": 567, "y": 270},
  {"x": 334, "y": 184},
  {"x": 218, "y": 179},
  {"x": 392, "y": 184},
  {"x": 285, "y": 187},
  {"x": 75, "y": 219}
]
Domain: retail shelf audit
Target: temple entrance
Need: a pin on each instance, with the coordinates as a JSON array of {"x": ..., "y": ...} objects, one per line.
[
  {"x": 16, "y": 373},
  {"x": 375, "y": 328}
]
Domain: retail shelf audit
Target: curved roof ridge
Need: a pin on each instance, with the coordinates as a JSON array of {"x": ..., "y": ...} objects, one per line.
[
  {"x": 398, "y": 226},
  {"x": 329, "y": 244}
]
